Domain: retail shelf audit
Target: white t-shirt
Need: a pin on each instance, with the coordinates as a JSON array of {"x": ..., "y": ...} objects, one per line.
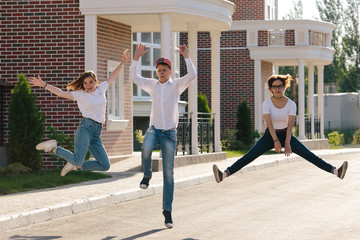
[
  {"x": 92, "y": 105},
  {"x": 279, "y": 116}
]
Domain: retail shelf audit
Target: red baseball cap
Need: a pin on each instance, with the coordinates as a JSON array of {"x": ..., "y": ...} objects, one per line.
[{"x": 162, "y": 60}]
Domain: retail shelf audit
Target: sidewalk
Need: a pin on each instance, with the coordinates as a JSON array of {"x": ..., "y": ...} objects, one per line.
[{"x": 22, "y": 209}]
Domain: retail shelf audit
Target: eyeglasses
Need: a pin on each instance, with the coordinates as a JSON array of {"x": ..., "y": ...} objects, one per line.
[{"x": 277, "y": 86}]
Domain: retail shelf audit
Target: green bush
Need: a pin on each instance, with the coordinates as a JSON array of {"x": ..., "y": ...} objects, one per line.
[
  {"x": 336, "y": 139},
  {"x": 227, "y": 136},
  {"x": 14, "y": 169},
  {"x": 139, "y": 137},
  {"x": 26, "y": 126},
  {"x": 356, "y": 137},
  {"x": 203, "y": 106},
  {"x": 243, "y": 126}
]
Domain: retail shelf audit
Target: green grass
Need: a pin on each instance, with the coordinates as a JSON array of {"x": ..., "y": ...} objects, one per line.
[
  {"x": 240, "y": 153},
  {"x": 44, "y": 179}
]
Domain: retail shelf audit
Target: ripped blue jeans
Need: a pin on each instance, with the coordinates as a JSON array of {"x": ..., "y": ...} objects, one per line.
[{"x": 87, "y": 136}]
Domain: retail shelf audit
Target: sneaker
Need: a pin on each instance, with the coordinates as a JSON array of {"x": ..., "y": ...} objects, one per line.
[
  {"x": 168, "y": 219},
  {"x": 47, "y": 146},
  {"x": 342, "y": 170},
  {"x": 217, "y": 173},
  {"x": 144, "y": 184},
  {"x": 67, "y": 168}
]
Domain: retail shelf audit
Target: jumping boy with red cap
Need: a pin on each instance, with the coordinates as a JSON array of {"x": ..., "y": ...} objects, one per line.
[{"x": 164, "y": 118}]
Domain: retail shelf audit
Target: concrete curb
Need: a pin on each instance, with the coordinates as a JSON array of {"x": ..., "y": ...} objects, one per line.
[{"x": 23, "y": 219}]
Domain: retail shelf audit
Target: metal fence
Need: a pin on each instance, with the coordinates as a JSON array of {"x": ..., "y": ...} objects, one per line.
[
  {"x": 316, "y": 127},
  {"x": 206, "y": 134}
]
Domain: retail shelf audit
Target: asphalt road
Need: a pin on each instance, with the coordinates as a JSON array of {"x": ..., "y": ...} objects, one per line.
[{"x": 292, "y": 201}]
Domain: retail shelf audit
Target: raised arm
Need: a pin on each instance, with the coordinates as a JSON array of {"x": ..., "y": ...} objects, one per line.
[
  {"x": 144, "y": 83},
  {"x": 115, "y": 73},
  {"x": 190, "y": 76},
  {"x": 57, "y": 91}
]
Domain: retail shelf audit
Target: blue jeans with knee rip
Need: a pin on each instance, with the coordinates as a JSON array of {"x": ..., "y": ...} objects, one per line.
[
  {"x": 87, "y": 136},
  {"x": 167, "y": 140}
]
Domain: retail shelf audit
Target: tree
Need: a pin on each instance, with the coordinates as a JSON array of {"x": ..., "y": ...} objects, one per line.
[
  {"x": 351, "y": 48},
  {"x": 332, "y": 11},
  {"x": 26, "y": 126},
  {"x": 298, "y": 11},
  {"x": 243, "y": 125}
]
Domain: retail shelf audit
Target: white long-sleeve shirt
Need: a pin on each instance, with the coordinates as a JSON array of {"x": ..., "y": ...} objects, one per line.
[{"x": 164, "y": 109}]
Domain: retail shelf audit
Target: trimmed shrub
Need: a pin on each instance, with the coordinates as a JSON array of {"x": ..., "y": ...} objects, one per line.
[
  {"x": 26, "y": 127},
  {"x": 243, "y": 125}
]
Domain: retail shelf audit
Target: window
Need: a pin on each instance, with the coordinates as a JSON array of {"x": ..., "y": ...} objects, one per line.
[
  {"x": 147, "y": 63},
  {"x": 115, "y": 119},
  {"x": 317, "y": 39},
  {"x": 277, "y": 37}
]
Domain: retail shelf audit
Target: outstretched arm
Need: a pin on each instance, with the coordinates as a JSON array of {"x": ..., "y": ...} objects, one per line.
[
  {"x": 57, "y": 91},
  {"x": 115, "y": 73}
]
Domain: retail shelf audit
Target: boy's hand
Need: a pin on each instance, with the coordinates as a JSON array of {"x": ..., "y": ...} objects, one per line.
[
  {"x": 183, "y": 51},
  {"x": 140, "y": 51}
]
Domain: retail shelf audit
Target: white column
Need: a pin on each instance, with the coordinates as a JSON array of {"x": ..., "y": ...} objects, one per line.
[
  {"x": 301, "y": 104},
  {"x": 192, "y": 90},
  {"x": 215, "y": 84},
  {"x": 311, "y": 98},
  {"x": 258, "y": 95},
  {"x": 165, "y": 22},
  {"x": 91, "y": 43},
  {"x": 321, "y": 99}
]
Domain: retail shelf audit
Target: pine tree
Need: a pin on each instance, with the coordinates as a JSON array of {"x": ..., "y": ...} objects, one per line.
[
  {"x": 26, "y": 126},
  {"x": 243, "y": 125}
]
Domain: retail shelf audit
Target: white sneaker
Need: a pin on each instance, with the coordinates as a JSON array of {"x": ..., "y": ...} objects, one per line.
[
  {"x": 67, "y": 168},
  {"x": 47, "y": 146}
]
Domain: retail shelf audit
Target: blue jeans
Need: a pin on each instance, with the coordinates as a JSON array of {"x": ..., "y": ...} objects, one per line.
[
  {"x": 167, "y": 140},
  {"x": 87, "y": 136},
  {"x": 266, "y": 143}
]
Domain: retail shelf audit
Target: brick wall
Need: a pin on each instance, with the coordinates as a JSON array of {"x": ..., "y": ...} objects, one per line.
[
  {"x": 47, "y": 38},
  {"x": 289, "y": 37},
  {"x": 263, "y": 38},
  {"x": 249, "y": 10},
  {"x": 113, "y": 39}
]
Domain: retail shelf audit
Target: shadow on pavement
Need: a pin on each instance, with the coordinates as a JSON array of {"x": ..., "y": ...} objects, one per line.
[
  {"x": 140, "y": 235},
  {"x": 18, "y": 237}
]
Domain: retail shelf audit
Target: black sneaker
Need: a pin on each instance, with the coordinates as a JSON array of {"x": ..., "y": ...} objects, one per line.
[
  {"x": 144, "y": 184},
  {"x": 217, "y": 173},
  {"x": 342, "y": 170},
  {"x": 168, "y": 219}
]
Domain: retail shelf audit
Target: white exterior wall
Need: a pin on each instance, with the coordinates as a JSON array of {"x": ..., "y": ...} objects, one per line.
[{"x": 342, "y": 110}]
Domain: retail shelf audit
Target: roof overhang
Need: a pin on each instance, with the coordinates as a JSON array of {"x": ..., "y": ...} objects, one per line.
[
  {"x": 144, "y": 15},
  {"x": 289, "y": 55}
]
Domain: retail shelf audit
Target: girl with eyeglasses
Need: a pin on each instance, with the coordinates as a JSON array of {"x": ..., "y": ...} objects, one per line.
[
  {"x": 279, "y": 113},
  {"x": 91, "y": 100}
]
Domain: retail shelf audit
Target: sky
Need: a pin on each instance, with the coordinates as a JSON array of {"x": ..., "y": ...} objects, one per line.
[{"x": 309, "y": 8}]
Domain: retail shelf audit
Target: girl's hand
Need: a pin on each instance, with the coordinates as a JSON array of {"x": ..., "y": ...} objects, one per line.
[
  {"x": 183, "y": 51},
  {"x": 125, "y": 56},
  {"x": 140, "y": 51},
  {"x": 277, "y": 146},
  {"x": 288, "y": 150},
  {"x": 36, "y": 81}
]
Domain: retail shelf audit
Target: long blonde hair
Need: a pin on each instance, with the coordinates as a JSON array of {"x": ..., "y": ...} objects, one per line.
[{"x": 78, "y": 83}]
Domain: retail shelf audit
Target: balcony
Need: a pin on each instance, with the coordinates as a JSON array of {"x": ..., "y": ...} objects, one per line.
[{"x": 284, "y": 42}]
